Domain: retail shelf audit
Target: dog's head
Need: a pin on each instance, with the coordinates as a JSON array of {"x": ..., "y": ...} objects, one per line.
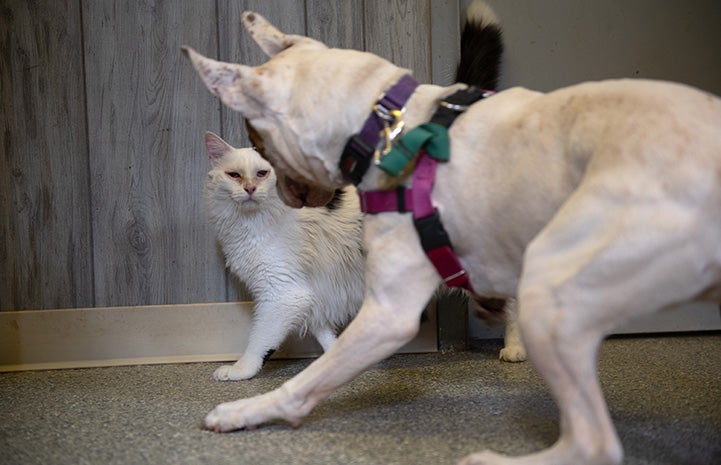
[{"x": 302, "y": 105}]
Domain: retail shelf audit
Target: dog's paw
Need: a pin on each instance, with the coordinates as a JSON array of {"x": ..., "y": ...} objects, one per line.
[
  {"x": 227, "y": 417},
  {"x": 252, "y": 412},
  {"x": 513, "y": 353},
  {"x": 485, "y": 458},
  {"x": 560, "y": 454},
  {"x": 237, "y": 372}
]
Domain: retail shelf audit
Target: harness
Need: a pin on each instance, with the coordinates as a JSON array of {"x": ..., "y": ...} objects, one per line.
[{"x": 428, "y": 144}]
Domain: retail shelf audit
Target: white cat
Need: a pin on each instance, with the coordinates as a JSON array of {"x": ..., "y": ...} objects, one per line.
[{"x": 303, "y": 267}]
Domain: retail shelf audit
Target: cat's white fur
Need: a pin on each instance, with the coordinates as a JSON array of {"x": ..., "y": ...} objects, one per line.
[{"x": 303, "y": 267}]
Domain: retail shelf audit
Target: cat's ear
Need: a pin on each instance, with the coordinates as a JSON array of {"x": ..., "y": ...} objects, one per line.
[
  {"x": 216, "y": 148},
  {"x": 270, "y": 39}
]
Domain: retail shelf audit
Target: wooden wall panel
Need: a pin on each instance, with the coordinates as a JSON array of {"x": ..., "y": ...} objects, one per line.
[
  {"x": 45, "y": 246},
  {"x": 147, "y": 111},
  {"x": 445, "y": 40},
  {"x": 337, "y": 24},
  {"x": 235, "y": 45},
  {"x": 102, "y": 156},
  {"x": 400, "y": 31}
]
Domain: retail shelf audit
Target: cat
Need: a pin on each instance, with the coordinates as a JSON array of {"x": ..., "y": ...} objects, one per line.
[{"x": 303, "y": 267}]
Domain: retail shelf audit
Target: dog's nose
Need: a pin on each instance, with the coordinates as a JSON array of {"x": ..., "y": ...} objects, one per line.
[{"x": 249, "y": 189}]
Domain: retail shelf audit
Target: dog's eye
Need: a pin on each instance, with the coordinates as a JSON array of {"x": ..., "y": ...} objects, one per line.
[
  {"x": 262, "y": 173},
  {"x": 233, "y": 174}
]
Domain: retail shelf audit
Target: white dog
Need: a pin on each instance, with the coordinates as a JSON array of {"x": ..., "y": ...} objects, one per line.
[{"x": 592, "y": 204}]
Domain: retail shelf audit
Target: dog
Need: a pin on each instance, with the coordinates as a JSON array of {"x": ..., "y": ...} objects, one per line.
[{"x": 592, "y": 204}]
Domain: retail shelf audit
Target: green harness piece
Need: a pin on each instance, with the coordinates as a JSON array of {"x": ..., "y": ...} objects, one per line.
[{"x": 430, "y": 136}]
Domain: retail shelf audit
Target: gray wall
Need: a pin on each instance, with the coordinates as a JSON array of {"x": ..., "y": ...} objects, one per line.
[{"x": 555, "y": 43}]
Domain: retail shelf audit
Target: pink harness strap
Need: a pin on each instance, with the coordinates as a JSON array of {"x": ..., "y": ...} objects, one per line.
[
  {"x": 398, "y": 200},
  {"x": 417, "y": 199},
  {"x": 426, "y": 219}
]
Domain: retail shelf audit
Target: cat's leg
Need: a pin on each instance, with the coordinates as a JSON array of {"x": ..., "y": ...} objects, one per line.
[
  {"x": 273, "y": 320},
  {"x": 326, "y": 337},
  {"x": 399, "y": 282},
  {"x": 513, "y": 350}
]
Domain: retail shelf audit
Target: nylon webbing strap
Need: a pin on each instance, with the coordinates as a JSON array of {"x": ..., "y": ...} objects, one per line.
[
  {"x": 427, "y": 221},
  {"x": 453, "y": 105},
  {"x": 432, "y": 136},
  {"x": 358, "y": 151},
  {"x": 430, "y": 142}
]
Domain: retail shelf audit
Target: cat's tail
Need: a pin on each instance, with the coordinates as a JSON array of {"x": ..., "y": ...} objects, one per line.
[{"x": 481, "y": 47}]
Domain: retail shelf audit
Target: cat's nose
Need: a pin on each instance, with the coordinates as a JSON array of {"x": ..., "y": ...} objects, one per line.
[{"x": 249, "y": 189}]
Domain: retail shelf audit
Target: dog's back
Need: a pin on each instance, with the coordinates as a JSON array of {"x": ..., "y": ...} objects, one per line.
[{"x": 518, "y": 156}]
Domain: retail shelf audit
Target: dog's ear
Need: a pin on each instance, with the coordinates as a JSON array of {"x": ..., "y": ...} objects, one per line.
[
  {"x": 228, "y": 81},
  {"x": 255, "y": 138},
  {"x": 270, "y": 39}
]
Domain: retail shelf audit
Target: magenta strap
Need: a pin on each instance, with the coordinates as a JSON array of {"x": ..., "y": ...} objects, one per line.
[
  {"x": 426, "y": 219},
  {"x": 398, "y": 200},
  {"x": 416, "y": 200},
  {"x": 423, "y": 177}
]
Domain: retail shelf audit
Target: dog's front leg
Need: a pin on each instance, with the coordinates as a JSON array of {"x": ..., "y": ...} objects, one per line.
[{"x": 399, "y": 282}]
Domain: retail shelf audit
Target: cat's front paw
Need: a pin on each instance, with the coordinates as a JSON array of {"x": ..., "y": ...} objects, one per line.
[
  {"x": 236, "y": 372},
  {"x": 513, "y": 353}
]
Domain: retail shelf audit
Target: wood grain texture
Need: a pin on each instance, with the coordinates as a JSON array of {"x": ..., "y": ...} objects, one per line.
[
  {"x": 445, "y": 41},
  {"x": 338, "y": 24},
  {"x": 399, "y": 30},
  {"x": 45, "y": 246},
  {"x": 147, "y": 112},
  {"x": 102, "y": 153},
  {"x": 236, "y": 46}
]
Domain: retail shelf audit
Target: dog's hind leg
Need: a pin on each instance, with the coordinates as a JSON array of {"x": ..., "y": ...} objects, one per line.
[
  {"x": 597, "y": 263},
  {"x": 513, "y": 350}
]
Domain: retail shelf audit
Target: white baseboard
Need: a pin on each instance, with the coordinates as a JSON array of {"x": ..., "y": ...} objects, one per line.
[
  {"x": 698, "y": 316},
  {"x": 111, "y": 336}
]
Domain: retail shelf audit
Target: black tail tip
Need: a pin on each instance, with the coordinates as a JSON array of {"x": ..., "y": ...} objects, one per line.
[{"x": 481, "y": 48}]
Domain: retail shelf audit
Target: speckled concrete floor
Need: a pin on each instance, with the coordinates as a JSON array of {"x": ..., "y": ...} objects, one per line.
[{"x": 664, "y": 394}]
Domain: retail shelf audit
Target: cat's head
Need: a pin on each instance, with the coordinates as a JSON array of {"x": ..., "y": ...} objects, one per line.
[{"x": 239, "y": 173}]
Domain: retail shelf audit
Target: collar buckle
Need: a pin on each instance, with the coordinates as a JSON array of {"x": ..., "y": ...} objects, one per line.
[
  {"x": 393, "y": 125},
  {"x": 383, "y": 125}
]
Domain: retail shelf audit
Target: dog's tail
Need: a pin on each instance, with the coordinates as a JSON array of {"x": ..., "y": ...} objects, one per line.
[{"x": 481, "y": 47}]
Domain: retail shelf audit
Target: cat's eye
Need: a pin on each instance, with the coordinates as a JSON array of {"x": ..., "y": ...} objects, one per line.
[
  {"x": 262, "y": 173},
  {"x": 233, "y": 174}
]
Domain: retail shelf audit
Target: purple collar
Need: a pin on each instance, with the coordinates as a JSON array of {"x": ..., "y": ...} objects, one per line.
[{"x": 359, "y": 149}]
